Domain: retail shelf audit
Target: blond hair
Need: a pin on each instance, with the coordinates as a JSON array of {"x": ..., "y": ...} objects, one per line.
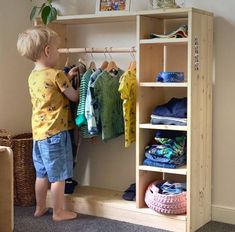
[{"x": 32, "y": 42}]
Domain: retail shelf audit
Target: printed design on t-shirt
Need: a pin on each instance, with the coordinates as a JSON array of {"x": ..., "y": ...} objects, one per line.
[{"x": 51, "y": 111}]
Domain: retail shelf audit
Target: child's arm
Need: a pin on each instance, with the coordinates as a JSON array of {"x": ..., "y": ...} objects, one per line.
[
  {"x": 72, "y": 94},
  {"x": 72, "y": 72}
]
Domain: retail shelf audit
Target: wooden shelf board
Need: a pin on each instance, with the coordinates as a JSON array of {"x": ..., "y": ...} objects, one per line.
[
  {"x": 109, "y": 204},
  {"x": 181, "y": 170},
  {"x": 159, "y": 84},
  {"x": 162, "y": 127},
  {"x": 165, "y": 41},
  {"x": 110, "y": 17},
  {"x": 106, "y": 17}
]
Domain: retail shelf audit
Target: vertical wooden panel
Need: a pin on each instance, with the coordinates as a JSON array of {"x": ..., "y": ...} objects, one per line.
[
  {"x": 200, "y": 122},
  {"x": 6, "y": 190}
]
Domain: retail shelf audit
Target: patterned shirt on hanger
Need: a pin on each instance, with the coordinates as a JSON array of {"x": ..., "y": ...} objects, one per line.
[
  {"x": 109, "y": 104},
  {"x": 127, "y": 88}
]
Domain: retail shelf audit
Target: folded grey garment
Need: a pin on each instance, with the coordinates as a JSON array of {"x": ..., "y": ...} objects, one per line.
[{"x": 155, "y": 119}]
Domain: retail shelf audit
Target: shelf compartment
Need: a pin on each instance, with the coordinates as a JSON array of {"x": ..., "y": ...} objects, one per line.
[
  {"x": 165, "y": 41},
  {"x": 160, "y": 84},
  {"x": 162, "y": 127},
  {"x": 181, "y": 170},
  {"x": 109, "y": 204}
]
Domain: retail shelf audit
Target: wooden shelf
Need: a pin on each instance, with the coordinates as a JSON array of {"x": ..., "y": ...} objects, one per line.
[
  {"x": 153, "y": 57},
  {"x": 165, "y": 41},
  {"x": 106, "y": 17},
  {"x": 110, "y": 17},
  {"x": 162, "y": 127},
  {"x": 181, "y": 170},
  {"x": 160, "y": 84},
  {"x": 109, "y": 204}
]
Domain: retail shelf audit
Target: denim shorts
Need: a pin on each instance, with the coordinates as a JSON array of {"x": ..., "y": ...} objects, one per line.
[{"x": 53, "y": 157}]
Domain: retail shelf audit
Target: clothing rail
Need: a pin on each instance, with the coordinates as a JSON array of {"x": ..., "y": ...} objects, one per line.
[{"x": 97, "y": 50}]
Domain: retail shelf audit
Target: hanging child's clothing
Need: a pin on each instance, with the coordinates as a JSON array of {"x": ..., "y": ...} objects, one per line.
[
  {"x": 127, "y": 88},
  {"x": 81, "y": 120},
  {"x": 109, "y": 104},
  {"x": 89, "y": 106}
]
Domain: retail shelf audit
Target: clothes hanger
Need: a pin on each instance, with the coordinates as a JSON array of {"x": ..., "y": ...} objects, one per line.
[
  {"x": 80, "y": 60},
  {"x": 67, "y": 58},
  {"x": 105, "y": 63},
  {"x": 112, "y": 66},
  {"x": 92, "y": 65},
  {"x": 132, "y": 65}
]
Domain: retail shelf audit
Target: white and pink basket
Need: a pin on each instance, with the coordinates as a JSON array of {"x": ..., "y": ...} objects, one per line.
[{"x": 165, "y": 204}]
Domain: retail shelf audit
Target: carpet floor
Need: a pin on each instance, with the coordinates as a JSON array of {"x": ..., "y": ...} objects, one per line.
[{"x": 26, "y": 222}]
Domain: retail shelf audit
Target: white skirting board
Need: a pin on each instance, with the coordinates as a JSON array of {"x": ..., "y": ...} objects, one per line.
[{"x": 223, "y": 214}]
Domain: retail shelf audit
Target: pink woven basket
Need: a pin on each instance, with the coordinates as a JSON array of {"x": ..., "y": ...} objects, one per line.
[{"x": 165, "y": 204}]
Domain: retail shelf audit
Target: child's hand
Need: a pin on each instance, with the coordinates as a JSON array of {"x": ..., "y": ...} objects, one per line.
[{"x": 73, "y": 72}]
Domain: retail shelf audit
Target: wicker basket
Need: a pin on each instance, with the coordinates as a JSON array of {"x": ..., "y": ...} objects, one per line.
[{"x": 24, "y": 172}]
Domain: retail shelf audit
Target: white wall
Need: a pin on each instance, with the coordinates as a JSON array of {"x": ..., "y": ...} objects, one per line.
[
  {"x": 14, "y": 98},
  {"x": 15, "y": 103}
]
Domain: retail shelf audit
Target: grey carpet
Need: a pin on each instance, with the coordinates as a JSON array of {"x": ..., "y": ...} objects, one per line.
[{"x": 25, "y": 222}]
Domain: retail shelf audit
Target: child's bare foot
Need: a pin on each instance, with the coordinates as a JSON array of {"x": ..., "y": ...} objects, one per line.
[
  {"x": 64, "y": 215},
  {"x": 40, "y": 211}
]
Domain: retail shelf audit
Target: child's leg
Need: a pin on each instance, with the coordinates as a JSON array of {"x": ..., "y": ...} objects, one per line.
[
  {"x": 59, "y": 213},
  {"x": 41, "y": 187}
]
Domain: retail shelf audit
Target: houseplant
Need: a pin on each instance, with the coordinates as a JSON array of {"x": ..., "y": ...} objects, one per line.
[{"x": 46, "y": 11}]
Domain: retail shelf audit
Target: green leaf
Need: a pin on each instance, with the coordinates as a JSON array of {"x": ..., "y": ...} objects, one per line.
[
  {"x": 45, "y": 13},
  {"x": 52, "y": 16},
  {"x": 48, "y": 14},
  {"x": 33, "y": 12},
  {"x": 41, "y": 8}
]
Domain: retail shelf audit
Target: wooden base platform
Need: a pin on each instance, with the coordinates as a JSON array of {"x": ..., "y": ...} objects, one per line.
[{"x": 109, "y": 204}]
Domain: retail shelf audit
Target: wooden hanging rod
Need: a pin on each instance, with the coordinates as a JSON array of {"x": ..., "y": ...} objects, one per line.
[{"x": 97, "y": 50}]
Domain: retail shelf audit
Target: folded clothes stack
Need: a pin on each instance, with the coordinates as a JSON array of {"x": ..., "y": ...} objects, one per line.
[
  {"x": 173, "y": 112},
  {"x": 170, "y": 77},
  {"x": 168, "y": 151}
]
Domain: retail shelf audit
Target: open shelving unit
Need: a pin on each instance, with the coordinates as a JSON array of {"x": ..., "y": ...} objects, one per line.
[{"x": 191, "y": 55}]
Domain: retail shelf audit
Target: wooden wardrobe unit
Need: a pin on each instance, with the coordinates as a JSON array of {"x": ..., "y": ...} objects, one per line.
[{"x": 193, "y": 55}]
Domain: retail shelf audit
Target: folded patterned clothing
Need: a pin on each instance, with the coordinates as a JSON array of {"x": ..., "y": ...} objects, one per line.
[
  {"x": 149, "y": 162},
  {"x": 177, "y": 144},
  {"x": 181, "y": 32},
  {"x": 177, "y": 160},
  {"x": 170, "y": 188},
  {"x": 176, "y": 107},
  {"x": 167, "y": 147},
  {"x": 155, "y": 119},
  {"x": 170, "y": 77}
]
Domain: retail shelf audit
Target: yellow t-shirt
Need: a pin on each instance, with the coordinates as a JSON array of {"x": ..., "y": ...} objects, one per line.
[
  {"x": 128, "y": 89},
  {"x": 51, "y": 111}
]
